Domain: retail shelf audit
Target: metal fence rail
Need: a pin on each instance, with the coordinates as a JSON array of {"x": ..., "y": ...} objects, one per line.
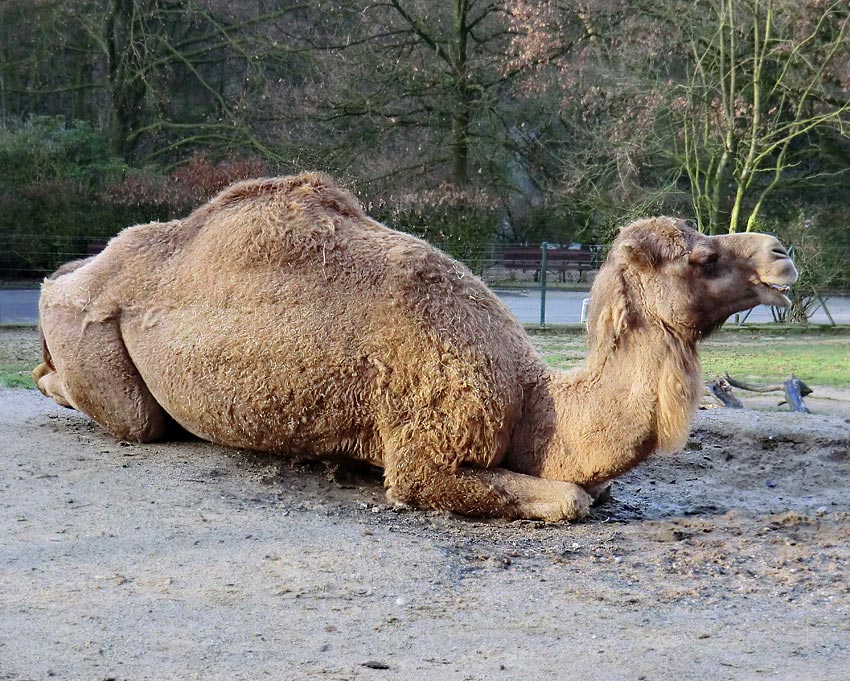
[{"x": 32, "y": 256}]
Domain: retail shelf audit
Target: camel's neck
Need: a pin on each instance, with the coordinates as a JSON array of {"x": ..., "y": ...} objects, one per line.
[{"x": 627, "y": 401}]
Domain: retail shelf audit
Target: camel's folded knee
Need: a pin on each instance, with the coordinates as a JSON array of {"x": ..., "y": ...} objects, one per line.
[
  {"x": 41, "y": 370},
  {"x": 50, "y": 385},
  {"x": 141, "y": 433}
]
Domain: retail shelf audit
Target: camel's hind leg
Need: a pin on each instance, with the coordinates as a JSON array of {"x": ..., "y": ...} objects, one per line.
[
  {"x": 415, "y": 478},
  {"x": 47, "y": 380},
  {"x": 87, "y": 367}
]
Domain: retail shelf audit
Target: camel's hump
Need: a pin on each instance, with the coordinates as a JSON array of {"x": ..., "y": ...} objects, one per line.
[
  {"x": 276, "y": 220},
  {"x": 313, "y": 192}
]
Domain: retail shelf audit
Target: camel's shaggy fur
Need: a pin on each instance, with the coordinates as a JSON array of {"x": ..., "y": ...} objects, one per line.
[{"x": 279, "y": 317}]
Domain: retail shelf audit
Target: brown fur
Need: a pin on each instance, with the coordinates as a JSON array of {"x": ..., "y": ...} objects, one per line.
[
  {"x": 67, "y": 267},
  {"x": 279, "y": 317}
]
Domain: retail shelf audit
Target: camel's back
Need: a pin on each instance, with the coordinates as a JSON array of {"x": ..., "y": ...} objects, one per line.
[
  {"x": 293, "y": 228},
  {"x": 280, "y": 316},
  {"x": 300, "y": 240}
]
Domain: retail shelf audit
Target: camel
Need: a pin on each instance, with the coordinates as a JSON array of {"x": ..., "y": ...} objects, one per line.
[{"x": 280, "y": 317}]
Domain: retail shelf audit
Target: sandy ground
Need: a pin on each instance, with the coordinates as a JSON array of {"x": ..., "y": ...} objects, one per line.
[{"x": 184, "y": 560}]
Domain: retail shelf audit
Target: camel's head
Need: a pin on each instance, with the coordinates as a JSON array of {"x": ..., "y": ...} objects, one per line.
[{"x": 664, "y": 271}]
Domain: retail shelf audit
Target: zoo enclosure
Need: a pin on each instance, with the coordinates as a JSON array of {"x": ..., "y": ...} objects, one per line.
[
  {"x": 33, "y": 256},
  {"x": 26, "y": 258}
]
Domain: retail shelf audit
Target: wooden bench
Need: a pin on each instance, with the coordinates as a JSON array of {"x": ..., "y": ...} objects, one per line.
[{"x": 560, "y": 260}]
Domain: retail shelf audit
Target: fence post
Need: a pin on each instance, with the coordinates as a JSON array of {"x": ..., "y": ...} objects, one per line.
[{"x": 544, "y": 247}]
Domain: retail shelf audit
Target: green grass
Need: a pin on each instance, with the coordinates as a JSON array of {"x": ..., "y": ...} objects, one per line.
[
  {"x": 767, "y": 355},
  {"x": 15, "y": 376},
  {"x": 20, "y": 352},
  {"x": 816, "y": 361},
  {"x": 771, "y": 356}
]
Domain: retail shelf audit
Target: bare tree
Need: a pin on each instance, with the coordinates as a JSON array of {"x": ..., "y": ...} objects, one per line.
[
  {"x": 597, "y": 75},
  {"x": 765, "y": 82},
  {"x": 162, "y": 75},
  {"x": 415, "y": 77}
]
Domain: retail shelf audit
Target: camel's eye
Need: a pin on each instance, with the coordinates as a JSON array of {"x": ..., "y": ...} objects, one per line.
[{"x": 709, "y": 267}]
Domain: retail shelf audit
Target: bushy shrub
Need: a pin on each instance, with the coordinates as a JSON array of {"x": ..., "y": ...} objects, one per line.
[
  {"x": 45, "y": 148},
  {"x": 817, "y": 242},
  {"x": 182, "y": 189},
  {"x": 50, "y": 174},
  {"x": 461, "y": 222},
  {"x": 62, "y": 191}
]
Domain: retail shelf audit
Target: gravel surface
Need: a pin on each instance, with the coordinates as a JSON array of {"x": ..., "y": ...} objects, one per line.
[{"x": 185, "y": 560}]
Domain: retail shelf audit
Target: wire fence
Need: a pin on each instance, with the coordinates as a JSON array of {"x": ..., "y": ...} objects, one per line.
[
  {"x": 512, "y": 270},
  {"x": 31, "y": 257},
  {"x": 25, "y": 259}
]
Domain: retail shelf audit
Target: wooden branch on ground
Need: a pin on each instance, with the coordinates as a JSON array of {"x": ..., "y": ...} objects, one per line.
[
  {"x": 795, "y": 390},
  {"x": 722, "y": 391},
  {"x": 804, "y": 389}
]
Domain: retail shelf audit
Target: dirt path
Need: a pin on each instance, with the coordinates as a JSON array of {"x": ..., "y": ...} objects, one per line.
[{"x": 730, "y": 560}]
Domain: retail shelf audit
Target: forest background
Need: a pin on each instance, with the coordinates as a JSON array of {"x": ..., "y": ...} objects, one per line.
[{"x": 471, "y": 123}]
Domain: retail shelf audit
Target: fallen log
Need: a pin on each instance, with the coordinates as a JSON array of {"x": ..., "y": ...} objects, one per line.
[
  {"x": 793, "y": 388},
  {"x": 722, "y": 391},
  {"x": 804, "y": 389}
]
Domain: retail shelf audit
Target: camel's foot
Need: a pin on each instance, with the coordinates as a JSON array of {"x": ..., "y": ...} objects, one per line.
[
  {"x": 50, "y": 385},
  {"x": 40, "y": 371},
  {"x": 566, "y": 501}
]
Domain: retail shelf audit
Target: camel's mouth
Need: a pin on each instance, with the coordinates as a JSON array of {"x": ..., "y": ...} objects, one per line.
[{"x": 780, "y": 291}]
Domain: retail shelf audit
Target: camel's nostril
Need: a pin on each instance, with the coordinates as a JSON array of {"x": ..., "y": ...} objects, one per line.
[{"x": 779, "y": 251}]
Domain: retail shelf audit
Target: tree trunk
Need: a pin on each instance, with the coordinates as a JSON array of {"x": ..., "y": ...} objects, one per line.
[
  {"x": 461, "y": 104},
  {"x": 127, "y": 47},
  {"x": 460, "y": 139}
]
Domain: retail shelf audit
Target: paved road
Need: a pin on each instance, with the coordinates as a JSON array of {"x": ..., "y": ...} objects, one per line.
[
  {"x": 18, "y": 306},
  {"x": 562, "y": 307}
]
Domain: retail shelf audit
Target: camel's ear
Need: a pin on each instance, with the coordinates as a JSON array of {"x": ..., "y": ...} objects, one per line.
[
  {"x": 639, "y": 253},
  {"x": 703, "y": 254}
]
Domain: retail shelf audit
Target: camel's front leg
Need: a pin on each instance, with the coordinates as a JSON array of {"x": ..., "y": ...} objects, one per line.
[
  {"x": 537, "y": 498},
  {"x": 493, "y": 492}
]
